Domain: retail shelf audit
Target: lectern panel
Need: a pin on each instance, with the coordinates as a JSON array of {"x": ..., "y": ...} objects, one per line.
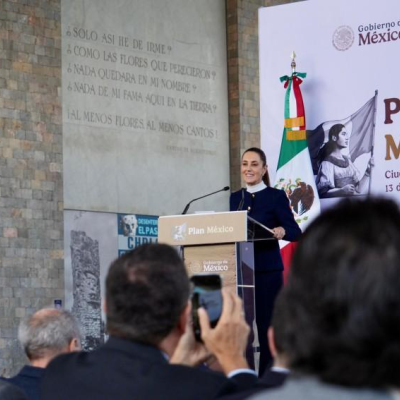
[
  {"x": 211, "y": 228},
  {"x": 213, "y": 259}
]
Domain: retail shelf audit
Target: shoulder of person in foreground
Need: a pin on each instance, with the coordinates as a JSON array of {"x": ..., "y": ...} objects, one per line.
[
  {"x": 310, "y": 388},
  {"x": 201, "y": 384},
  {"x": 82, "y": 376},
  {"x": 60, "y": 374},
  {"x": 10, "y": 392},
  {"x": 269, "y": 381}
]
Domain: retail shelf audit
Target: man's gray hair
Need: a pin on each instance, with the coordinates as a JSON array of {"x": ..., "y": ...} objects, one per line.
[{"x": 47, "y": 332}]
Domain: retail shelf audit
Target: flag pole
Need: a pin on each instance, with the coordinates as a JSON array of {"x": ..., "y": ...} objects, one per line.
[
  {"x": 373, "y": 140},
  {"x": 293, "y": 64}
]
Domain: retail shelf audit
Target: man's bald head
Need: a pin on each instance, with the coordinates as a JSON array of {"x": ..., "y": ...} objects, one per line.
[{"x": 47, "y": 333}]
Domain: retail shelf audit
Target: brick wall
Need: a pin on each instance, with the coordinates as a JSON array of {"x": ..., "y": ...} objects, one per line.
[
  {"x": 31, "y": 209},
  {"x": 243, "y": 76}
]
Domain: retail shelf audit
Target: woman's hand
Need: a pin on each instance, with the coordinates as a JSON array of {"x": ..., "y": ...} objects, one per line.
[
  {"x": 371, "y": 163},
  {"x": 348, "y": 189},
  {"x": 279, "y": 232}
]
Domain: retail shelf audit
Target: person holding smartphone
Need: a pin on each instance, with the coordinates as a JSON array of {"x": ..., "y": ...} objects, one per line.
[
  {"x": 151, "y": 350},
  {"x": 270, "y": 207}
]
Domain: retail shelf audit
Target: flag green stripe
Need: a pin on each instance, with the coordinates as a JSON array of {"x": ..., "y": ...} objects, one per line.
[
  {"x": 287, "y": 100},
  {"x": 289, "y": 149}
]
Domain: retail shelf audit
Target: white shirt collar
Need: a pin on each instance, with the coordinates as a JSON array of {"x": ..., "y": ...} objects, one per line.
[
  {"x": 280, "y": 369},
  {"x": 256, "y": 188}
]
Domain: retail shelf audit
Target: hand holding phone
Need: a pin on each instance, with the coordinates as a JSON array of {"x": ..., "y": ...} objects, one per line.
[{"x": 228, "y": 340}]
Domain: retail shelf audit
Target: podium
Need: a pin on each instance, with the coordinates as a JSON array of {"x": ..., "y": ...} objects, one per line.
[{"x": 220, "y": 243}]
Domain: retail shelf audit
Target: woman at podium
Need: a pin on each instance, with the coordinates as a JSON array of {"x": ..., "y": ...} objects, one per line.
[{"x": 271, "y": 208}]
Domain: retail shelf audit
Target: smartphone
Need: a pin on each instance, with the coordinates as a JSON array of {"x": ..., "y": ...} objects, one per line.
[{"x": 206, "y": 293}]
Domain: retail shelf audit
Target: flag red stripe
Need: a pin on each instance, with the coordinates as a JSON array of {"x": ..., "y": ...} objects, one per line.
[
  {"x": 299, "y": 100},
  {"x": 287, "y": 255}
]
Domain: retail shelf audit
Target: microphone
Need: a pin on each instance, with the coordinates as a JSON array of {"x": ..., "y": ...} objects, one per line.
[
  {"x": 202, "y": 197},
  {"x": 241, "y": 202}
]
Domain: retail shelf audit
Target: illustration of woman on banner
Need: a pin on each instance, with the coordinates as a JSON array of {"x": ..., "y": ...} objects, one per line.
[{"x": 337, "y": 175}]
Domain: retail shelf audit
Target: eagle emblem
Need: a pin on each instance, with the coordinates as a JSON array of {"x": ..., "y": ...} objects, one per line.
[{"x": 300, "y": 194}]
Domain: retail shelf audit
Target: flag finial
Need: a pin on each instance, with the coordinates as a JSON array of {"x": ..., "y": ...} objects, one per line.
[{"x": 293, "y": 65}]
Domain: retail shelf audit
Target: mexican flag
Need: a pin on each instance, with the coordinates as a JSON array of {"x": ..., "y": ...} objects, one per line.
[{"x": 294, "y": 172}]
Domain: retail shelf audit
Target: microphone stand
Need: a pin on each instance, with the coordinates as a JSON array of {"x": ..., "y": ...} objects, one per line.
[
  {"x": 241, "y": 202},
  {"x": 202, "y": 197}
]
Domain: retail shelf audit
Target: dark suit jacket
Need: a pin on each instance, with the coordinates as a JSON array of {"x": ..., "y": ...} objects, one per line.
[
  {"x": 271, "y": 208},
  {"x": 123, "y": 369},
  {"x": 28, "y": 379},
  {"x": 270, "y": 379},
  {"x": 10, "y": 392}
]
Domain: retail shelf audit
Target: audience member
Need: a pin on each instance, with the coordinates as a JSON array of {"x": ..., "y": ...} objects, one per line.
[
  {"x": 277, "y": 374},
  {"x": 342, "y": 332},
  {"x": 10, "y": 392},
  {"x": 43, "y": 336},
  {"x": 147, "y": 309}
]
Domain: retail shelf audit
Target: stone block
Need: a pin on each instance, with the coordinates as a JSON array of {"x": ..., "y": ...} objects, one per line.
[
  {"x": 39, "y": 156},
  {"x": 21, "y": 66},
  {"x": 49, "y": 196},
  {"x": 40, "y": 175},
  {"x": 10, "y": 232},
  {"x": 7, "y": 152},
  {"x": 20, "y": 312},
  {"x": 37, "y": 194},
  {"x": 57, "y": 254}
]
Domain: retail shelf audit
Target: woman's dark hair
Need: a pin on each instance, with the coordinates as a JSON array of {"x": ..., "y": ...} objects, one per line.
[
  {"x": 257, "y": 150},
  {"x": 330, "y": 145},
  {"x": 343, "y": 296}
]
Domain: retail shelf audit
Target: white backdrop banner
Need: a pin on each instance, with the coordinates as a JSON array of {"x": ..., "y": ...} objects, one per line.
[{"x": 349, "y": 50}]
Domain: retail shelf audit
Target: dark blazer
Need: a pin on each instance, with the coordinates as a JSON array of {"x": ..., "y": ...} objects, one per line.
[
  {"x": 271, "y": 208},
  {"x": 123, "y": 369},
  {"x": 270, "y": 379},
  {"x": 10, "y": 392},
  {"x": 28, "y": 379}
]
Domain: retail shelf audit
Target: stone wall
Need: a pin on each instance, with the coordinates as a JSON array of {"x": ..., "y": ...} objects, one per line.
[{"x": 31, "y": 185}]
